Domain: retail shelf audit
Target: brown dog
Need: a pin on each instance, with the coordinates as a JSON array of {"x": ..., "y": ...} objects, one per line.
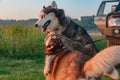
[
  {"x": 74, "y": 65},
  {"x": 55, "y": 54}
]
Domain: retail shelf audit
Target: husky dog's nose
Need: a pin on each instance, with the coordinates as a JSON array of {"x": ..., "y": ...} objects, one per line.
[{"x": 36, "y": 25}]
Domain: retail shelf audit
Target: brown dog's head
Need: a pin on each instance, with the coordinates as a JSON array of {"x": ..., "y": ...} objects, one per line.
[{"x": 53, "y": 44}]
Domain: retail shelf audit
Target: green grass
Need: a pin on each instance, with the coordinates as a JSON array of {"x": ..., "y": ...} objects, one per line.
[
  {"x": 12, "y": 69},
  {"x": 21, "y": 52},
  {"x": 100, "y": 42},
  {"x": 21, "y": 42}
]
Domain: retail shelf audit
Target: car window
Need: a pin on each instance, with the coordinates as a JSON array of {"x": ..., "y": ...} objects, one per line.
[
  {"x": 118, "y": 8},
  {"x": 110, "y": 7}
]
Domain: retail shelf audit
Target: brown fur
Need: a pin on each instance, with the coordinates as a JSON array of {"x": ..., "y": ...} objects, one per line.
[
  {"x": 104, "y": 63},
  {"x": 64, "y": 64},
  {"x": 67, "y": 65}
]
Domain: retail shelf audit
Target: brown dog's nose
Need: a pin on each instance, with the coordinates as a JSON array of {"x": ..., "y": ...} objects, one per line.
[{"x": 36, "y": 25}]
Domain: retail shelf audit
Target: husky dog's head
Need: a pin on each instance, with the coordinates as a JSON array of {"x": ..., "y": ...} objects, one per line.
[
  {"x": 50, "y": 18},
  {"x": 53, "y": 44}
]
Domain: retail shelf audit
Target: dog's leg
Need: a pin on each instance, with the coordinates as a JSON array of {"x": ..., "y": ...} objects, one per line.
[
  {"x": 113, "y": 74},
  {"x": 48, "y": 61}
]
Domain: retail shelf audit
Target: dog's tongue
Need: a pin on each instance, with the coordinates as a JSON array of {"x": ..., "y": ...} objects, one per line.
[
  {"x": 44, "y": 27},
  {"x": 43, "y": 30}
]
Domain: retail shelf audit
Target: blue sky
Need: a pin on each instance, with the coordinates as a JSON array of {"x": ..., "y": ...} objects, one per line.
[{"x": 25, "y": 9}]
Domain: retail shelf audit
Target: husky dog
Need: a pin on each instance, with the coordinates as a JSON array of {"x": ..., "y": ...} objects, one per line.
[
  {"x": 73, "y": 35},
  {"x": 74, "y": 65}
]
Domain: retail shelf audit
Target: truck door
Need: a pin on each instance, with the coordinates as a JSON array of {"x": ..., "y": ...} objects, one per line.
[{"x": 105, "y": 8}]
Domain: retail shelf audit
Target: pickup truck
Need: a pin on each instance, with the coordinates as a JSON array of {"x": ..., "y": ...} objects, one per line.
[{"x": 108, "y": 21}]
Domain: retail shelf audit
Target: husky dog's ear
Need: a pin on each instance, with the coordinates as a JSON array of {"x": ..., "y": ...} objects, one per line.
[
  {"x": 61, "y": 14},
  {"x": 54, "y": 5},
  {"x": 44, "y": 7}
]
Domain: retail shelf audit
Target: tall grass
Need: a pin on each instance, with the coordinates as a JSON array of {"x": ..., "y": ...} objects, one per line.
[{"x": 17, "y": 41}]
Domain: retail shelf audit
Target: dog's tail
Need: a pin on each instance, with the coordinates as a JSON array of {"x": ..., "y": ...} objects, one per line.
[{"x": 103, "y": 63}]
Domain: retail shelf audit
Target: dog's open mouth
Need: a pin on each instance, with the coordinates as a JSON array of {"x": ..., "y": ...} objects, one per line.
[{"x": 44, "y": 27}]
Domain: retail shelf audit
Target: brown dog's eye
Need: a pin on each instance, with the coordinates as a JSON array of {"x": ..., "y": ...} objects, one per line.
[{"x": 48, "y": 46}]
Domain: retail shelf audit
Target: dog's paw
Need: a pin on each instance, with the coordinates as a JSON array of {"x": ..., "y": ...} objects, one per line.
[{"x": 46, "y": 71}]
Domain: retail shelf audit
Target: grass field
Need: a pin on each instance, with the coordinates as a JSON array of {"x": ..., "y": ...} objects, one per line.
[
  {"x": 21, "y": 52},
  {"x": 26, "y": 69}
]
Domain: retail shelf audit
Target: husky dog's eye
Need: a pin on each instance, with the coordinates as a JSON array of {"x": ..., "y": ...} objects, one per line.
[{"x": 56, "y": 29}]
